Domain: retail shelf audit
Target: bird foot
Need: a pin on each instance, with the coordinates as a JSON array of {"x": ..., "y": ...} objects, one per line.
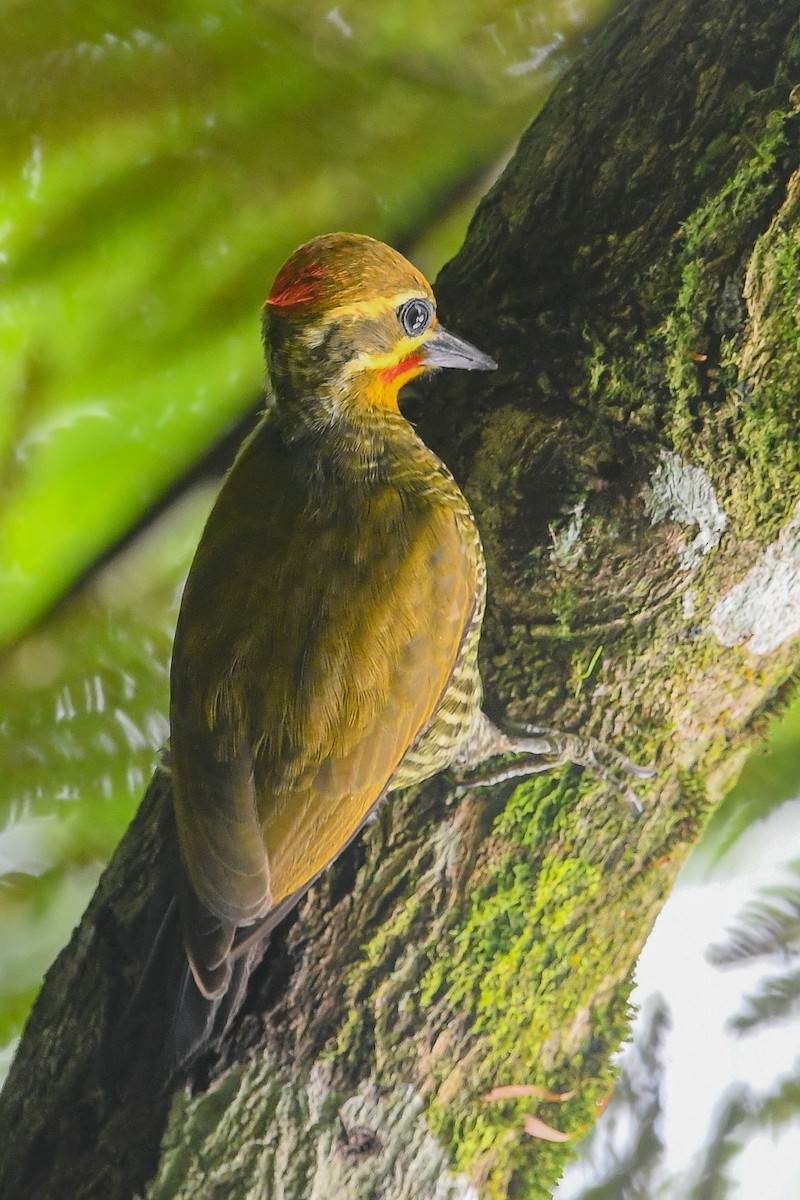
[{"x": 548, "y": 749}]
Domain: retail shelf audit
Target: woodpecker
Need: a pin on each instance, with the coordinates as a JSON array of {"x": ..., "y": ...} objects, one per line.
[{"x": 326, "y": 648}]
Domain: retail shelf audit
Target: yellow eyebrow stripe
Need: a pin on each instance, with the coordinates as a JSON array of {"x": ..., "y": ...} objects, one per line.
[{"x": 370, "y": 308}]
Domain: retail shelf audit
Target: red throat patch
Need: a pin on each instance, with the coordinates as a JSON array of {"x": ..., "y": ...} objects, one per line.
[{"x": 409, "y": 363}]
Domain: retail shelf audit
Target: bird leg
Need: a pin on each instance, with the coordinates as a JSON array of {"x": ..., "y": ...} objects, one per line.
[{"x": 544, "y": 750}]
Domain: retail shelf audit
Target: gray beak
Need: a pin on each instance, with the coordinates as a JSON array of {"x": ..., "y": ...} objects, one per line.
[{"x": 443, "y": 349}]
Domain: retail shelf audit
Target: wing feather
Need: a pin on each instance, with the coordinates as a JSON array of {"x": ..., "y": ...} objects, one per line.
[{"x": 314, "y": 644}]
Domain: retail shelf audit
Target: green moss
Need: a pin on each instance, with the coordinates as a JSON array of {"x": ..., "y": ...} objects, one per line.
[
  {"x": 709, "y": 240},
  {"x": 355, "y": 1037},
  {"x": 524, "y": 973},
  {"x": 713, "y": 151},
  {"x": 700, "y": 353},
  {"x": 492, "y": 972},
  {"x": 565, "y": 602}
]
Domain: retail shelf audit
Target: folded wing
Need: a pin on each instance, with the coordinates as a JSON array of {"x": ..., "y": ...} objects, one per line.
[{"x": 315, "y": 642}]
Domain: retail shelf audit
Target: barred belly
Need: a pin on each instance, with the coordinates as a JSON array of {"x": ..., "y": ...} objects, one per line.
[{"x": 458, "y": 720}]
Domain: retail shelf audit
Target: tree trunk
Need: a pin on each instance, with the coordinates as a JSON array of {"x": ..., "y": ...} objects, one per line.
[{"x": 633, "y": 467}]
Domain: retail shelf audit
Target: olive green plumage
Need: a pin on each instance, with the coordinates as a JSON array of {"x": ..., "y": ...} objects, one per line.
[{"x": 326, "y": 646}]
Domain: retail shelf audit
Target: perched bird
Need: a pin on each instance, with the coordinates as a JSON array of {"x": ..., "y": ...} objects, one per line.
[{"x": 326, "y": 650}]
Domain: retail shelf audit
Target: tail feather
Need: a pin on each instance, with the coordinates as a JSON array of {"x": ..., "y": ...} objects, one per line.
[
  {"x": 208, "y": 940},
  {"x": 192, "y": 1025},
  {"x": 172, "y": 1016}
]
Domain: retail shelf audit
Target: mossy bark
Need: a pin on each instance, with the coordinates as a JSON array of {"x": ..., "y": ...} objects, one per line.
[{"x": 634, "y": 470}]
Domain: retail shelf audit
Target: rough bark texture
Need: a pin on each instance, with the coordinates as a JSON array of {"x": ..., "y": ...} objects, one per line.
[{"x": 634, "y": 471}]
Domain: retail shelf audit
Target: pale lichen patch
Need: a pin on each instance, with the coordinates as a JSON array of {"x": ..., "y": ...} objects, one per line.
[
  {"x": 568, "y": 548},
  {"x": 763, "y": 609},
  {"x": 689, "y": 603},
  {"x": 683, "y": 493},
  {"x": 409, "y": 1162},
  {"x": 303, "y": 1139},
  {"x": 445, "y": 843}
]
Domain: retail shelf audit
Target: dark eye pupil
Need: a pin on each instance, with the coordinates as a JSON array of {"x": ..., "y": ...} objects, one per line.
[{"x": 415, "y": 316}]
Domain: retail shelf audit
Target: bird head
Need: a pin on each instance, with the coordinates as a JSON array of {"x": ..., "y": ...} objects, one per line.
[{"x": 349, "y": 321}]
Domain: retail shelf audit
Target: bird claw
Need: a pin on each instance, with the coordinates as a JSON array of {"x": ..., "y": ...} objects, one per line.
[{"x": 554, "y": 748}]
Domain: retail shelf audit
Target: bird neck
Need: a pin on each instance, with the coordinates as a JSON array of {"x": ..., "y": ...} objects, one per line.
[{"x": 351, "y": 433}]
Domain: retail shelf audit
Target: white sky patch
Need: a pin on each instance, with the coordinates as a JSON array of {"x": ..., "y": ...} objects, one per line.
[
  {"x": 763, "y": 609},
  {"x": 701, "y": 996},
  {"x": 683, "y": 493},
  {"x": 702, "y": 1055},
  {"x": 26, "y": 846}
]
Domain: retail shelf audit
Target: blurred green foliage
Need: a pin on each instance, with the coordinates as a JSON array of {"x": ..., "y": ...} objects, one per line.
[
  {"x": 159, "y": 163},
  {"x": 83, "y": 704}
]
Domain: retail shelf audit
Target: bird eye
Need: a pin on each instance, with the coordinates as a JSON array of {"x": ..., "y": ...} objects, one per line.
[{"x": 415, "y": 316}]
